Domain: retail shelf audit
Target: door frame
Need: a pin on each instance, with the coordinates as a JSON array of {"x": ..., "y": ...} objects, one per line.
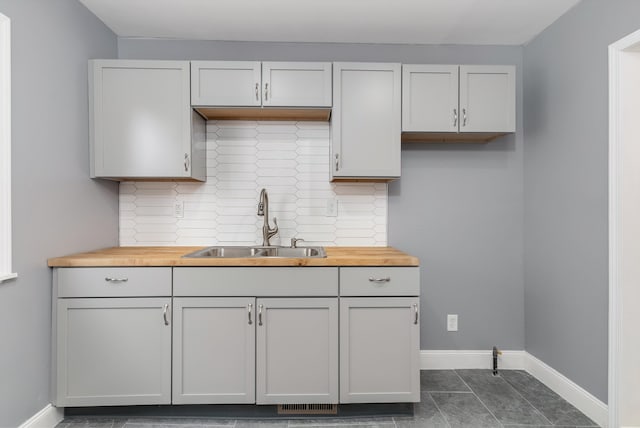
[{"x": 616, "y": 239}]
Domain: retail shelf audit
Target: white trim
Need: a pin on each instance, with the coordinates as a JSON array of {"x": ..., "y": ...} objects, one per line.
[
  {"x": 520, "y": 360},
  {"x": 5, "y": 148},
  {"x": 8, "y": 276},
  {"x": 567, "y": 389},
  {"x": 476, "y": 359},
  {"x": 48, "y": 417},
  {"x": 615, "y": 232}
]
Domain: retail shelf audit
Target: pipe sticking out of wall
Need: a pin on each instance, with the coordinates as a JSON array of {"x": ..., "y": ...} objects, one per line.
[{"x": 496, "y": 352}]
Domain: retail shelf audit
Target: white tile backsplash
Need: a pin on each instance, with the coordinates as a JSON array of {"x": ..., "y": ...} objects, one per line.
[{"x": 289, "y": 159}]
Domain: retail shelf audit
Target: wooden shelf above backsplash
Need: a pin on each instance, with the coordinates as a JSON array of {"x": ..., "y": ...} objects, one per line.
[
  {"x": 270, "y": 113},
  {"x": 451, "y": 137}
]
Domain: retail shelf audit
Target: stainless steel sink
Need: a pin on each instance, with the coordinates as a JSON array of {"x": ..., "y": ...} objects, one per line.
[{"x": 254, "y": 252}]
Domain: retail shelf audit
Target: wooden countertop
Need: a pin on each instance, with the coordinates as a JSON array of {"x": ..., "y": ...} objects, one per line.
[{"x": 172, "y": 256}]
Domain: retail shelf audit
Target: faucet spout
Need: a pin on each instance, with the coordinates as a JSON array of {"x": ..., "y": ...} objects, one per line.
[{"x": 263, "y": 211}]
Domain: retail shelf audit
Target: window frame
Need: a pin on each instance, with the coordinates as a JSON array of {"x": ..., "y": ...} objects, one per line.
[{"x": 6, "y": 272}]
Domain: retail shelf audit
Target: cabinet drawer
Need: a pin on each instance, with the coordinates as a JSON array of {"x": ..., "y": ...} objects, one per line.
[
  {"x": 113, "y": 282},
  {"x": 380, "y": 281},
  {"x": 255, "y": 281}
]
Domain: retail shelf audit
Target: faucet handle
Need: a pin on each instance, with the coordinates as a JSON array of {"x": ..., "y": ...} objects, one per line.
[{"x": 294, "y": 242}]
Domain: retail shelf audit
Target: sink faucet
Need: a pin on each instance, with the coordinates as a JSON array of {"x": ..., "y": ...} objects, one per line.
[{"x": 263, "y": 211}]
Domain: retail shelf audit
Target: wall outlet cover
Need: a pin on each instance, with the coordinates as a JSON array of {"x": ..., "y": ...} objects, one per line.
[
  {"x": 452, "y": 322},
  {"x": 332, "y": 207},
  {"x": 179, "y": 209}
]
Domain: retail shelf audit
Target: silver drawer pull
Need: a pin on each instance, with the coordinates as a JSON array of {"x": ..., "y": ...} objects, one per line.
[
  {"x": 249, "y": 312},
  {"x": 116, "y": 280},
  {"x": 379, "y": 280},
  {"x": 165, "y": 313},
  {"x": 259, "y": 314},
  {"x": 415, "y": 308}
]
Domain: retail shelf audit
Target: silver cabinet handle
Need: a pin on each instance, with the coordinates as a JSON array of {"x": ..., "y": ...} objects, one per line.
[
  {"x": 455, "y": 117},
  {"x": 464, "y": 117},
  {"x": 266, "y": 92},
  {"x": 186, "y": 162},
  {"x": 250, "y": 309},
  {"x": 379, "y": 280},
  {"x": 337, "y": 161},
  {"x": 415, "y": 308},
  {"x": 116, "y": 280},
  {"x": 259, "y": 314},
  {"x": 165, "y": 313},
  {"x": 257, "y": 92}
]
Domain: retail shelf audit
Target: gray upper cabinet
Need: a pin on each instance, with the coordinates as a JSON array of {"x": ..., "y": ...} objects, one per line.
[
  {"x": 226, "y": 83},
  {"x": 113, "y": 351},
  {"x": 487, "y": 98},
  {"x": 430, "y": 98},
  {"x": 297, "y": 351},
  {"x": 296, "y": 84},
  {"x": 366, "y": 121},
  {"x": 254, "y": 84},
  {"x": 213, "y": 350},
  {"x": 141, "y": 122},
  {"x": 452, "y": 98}
]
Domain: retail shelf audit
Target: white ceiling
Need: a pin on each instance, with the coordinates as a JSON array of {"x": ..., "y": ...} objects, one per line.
[{"x": 476, "y": 22}]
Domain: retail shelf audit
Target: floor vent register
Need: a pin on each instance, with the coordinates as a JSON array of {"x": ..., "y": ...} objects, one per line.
[{"x": 307, "y": 409}]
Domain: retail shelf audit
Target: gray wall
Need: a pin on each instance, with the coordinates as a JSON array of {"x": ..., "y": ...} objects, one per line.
[
  {"x": 565, "y": 187},
  {"x": 57, "y": 209},
  {"x": 457, "y": 207}
]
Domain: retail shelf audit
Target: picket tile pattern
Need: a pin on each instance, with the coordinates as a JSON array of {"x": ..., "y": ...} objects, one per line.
[{"x": 289, "y": 159}]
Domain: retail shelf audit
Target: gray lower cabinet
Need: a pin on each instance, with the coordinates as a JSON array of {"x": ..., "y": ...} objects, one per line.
[
  {"x": 379, "y": 349},
  {"x": 264, "y": 335},
  {"x": 113, "y": 351},
  {"x": 297, "y": 351},
  {"x": 213, "y": 350}
]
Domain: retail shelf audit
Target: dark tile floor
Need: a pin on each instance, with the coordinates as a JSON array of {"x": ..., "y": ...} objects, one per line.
[{"x": 449, "y": 399}]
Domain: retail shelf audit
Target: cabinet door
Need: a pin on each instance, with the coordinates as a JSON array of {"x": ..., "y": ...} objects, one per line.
[
  {"x": 213, "y": 350},
  {"x": 140, "y": 119},
  {"x": 430, "y": 98},
  {"x": 297, "y": 351},
  {"x": 379, "y": 350},
  {"x": 366, "y": 121},
  {"x": 296, "y": 84},
  {"x": 487, "y": 98},
  {"x": 113, "y": 351},
  {"x": 225, "y": 83}
]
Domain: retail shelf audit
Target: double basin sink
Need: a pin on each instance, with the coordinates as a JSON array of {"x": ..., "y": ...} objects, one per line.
[{"x": 257, "y": 252}]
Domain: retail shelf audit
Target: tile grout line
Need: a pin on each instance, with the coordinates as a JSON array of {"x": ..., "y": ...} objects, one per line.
[
  {"x": 444, "y": 417},
  {"x": 525, "y": 399},
  {"x": 481, "y": 402}
]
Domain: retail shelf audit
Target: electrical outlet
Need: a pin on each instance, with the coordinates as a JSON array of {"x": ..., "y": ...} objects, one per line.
[
  {"x": 332, "y": 207},
  {"x": 452, "y": 322},
  {"x": 179, "y": 209}
]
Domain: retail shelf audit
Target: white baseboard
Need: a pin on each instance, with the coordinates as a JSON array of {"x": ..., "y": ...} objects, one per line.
[
  {"x": 449, "y": 360},
  {"x": 48, "y": 417},
  {"x": 569, "y": 390},
  {"x": 520, "y": 360}
]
